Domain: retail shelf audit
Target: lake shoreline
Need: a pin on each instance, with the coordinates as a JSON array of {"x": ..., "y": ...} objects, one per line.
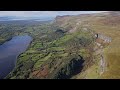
[
  {"x": 14, "y": 45},
  {"x": 1, "y": 43}
]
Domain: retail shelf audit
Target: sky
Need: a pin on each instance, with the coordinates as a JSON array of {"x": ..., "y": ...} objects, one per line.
[{"x": 42, "y": 14}]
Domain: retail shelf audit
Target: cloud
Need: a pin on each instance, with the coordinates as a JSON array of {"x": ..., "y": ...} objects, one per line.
[{"x": 43, "y": 13}]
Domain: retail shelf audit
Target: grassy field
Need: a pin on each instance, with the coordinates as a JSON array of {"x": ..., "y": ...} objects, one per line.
[{"x": 112, "y": 51}]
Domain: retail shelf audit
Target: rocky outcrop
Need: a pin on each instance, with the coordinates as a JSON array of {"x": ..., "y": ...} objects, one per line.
[
  {"x": 101, "y": 40},
  {"x": 60, "y": 69},
  {"x": 73, "y": 67},
  {"x": 103, "y": 37}
]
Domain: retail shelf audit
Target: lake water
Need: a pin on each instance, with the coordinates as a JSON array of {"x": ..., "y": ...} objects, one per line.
[{"x": 9, "y": 51}]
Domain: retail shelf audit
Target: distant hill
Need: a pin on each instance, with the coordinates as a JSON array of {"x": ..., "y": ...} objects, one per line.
[
  {"x": 24, "y": 22},
  {"x": 6, "y": 18},
  {"x": 13, "y": 18}
]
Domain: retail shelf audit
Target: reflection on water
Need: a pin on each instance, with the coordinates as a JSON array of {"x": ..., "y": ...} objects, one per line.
[{"x": 9, "y": 52}]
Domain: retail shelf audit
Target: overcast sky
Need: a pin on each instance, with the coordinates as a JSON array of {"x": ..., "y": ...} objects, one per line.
[{"x": 43, "y": 13}]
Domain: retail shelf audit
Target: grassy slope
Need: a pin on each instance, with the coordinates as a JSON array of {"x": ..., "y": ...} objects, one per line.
[
  {"x": 33, "y": 57},
  {"x": 107, "y": 24},
  {"x": 55, "y": 49},
  {"x": 112, "y": 52}
]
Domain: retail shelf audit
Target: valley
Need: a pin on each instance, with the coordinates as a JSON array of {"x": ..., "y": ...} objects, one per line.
[{"x": 70, "y": 47}]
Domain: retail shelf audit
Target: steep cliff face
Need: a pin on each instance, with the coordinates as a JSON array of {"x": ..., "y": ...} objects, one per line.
[
  {"x": 104, "y": 38},
  {"x": 61, "y": 69}
]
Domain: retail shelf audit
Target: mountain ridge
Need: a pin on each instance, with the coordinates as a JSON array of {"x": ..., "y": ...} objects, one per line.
[{"x": 88, "y": 44}]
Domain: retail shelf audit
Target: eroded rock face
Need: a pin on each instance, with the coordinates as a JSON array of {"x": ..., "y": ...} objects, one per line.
[
  {"x": 103, "y": 37},
  {"x": 73, "y": 67},
  {"x": 62, "y": 69}
]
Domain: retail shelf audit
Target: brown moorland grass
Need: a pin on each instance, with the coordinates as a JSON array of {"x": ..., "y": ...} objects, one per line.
[{"x": 110, "y": 27}]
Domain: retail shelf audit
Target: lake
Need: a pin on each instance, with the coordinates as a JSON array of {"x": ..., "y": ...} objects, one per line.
[{"x": 9, "y": 51}]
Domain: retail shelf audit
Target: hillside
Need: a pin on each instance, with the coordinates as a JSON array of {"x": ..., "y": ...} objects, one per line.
[
  {"x": 72, "y": 47},
  {"x": 106, "y": 25}
]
